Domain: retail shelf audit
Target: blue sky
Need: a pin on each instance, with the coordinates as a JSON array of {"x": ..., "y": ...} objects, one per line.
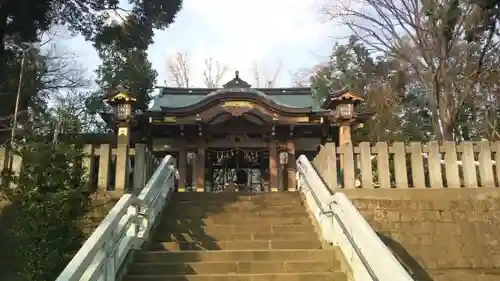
[{"x": 238, "y": 34}]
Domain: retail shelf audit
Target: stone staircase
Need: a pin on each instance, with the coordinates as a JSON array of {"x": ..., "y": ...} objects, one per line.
[{"x": 238, "y": 237}]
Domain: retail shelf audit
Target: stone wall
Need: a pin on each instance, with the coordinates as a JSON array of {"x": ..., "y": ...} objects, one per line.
[{"x": 438, "y": 234}]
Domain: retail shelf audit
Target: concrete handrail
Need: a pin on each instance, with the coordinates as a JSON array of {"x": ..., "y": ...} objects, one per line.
[
  {"x": 126, "y": 227},
  {"x": 342, "y": 225}
]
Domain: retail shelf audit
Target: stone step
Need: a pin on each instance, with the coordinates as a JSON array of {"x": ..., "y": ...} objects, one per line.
[
  {"x": 236, "y": 245},
  {"x": 236, "y": 206},
  {"x": 193, "y": 237},
  {"x": 196, "y": 213},
  {"x": 316, "y": 276},
  {"x": 228, "y": 267},
  {"x": 234, "y": 196},
  {"x": 235, "y": 221},
  {"x": 236, "y": 255},
  {"x": 264, "y": 203},
  {"x": 235, "y": 228}
]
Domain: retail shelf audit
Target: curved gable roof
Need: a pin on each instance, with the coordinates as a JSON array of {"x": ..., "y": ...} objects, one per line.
[
  {"x": 233, "y": 94},
  {"x": 287, "y": 99}
]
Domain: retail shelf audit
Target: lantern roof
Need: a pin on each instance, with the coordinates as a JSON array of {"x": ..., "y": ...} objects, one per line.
[
  {"x": 340, "y": 96},
  {"x": 119, "y": 94}
]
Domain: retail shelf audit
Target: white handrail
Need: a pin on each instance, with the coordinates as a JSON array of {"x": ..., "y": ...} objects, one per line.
[
  {"x": 342, "y": 224},
  {"x": 125, "y": 227}
]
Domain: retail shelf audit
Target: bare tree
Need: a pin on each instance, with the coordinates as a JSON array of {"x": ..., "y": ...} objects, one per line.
[
  {"x": 213, "y": 73},
  {"x": 427, "y": 37},
  {"x": 179, "y": 70},
  {"x": 302, "y": 76},
  {"x": 263, "y": 77},
  {"x": 55, "y": 72},
  {"x": 181, "y": 74}
]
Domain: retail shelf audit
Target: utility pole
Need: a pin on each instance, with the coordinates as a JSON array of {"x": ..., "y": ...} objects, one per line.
[
  {"x": 16, "y": 111},
  {"x": 25, "y": 49}
]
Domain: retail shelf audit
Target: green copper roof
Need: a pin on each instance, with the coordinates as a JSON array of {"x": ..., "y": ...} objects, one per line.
[{"x": 182, "y": 97}]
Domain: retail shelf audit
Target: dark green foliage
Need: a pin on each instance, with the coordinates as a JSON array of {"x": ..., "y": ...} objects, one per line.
[
  {"x": 50, "y": 200},
  {"x": 123, "y": 47},
  {"x": 51, "y": 195},
  {"x": 130, "y": 67},
  {"x": 28, "y": 20}
]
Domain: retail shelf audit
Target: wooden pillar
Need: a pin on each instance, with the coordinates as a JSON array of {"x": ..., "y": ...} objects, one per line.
[
  {"x": 182, "y": 163},
  {"x": 200, "y": 168},
  {"x": 273, "y": 166},
  {"x": 292, "y": 166},
  {"x": 122, "y": 160}
]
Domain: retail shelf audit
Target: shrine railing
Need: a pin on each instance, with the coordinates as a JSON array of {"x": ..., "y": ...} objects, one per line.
[
  {"x": 125, "y": 228},
  {"x": 101, "y": 164},
  {"x": 409, "y": 165},
  {"x": 343, "y": 226}
]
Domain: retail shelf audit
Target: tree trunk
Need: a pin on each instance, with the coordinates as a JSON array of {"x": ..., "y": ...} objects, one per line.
[{"x": 448, "y": 131}]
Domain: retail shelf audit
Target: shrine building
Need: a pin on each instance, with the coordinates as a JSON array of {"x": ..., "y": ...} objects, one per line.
[{"x": 235, "y": 137}]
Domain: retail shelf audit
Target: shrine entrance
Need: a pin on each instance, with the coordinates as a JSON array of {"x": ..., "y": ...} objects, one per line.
[{"x": 237, "y": 169}]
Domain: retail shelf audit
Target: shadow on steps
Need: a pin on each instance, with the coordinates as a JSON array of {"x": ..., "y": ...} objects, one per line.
[{"x": 234, "y": 236}]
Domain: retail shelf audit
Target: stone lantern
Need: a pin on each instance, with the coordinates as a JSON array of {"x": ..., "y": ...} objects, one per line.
[
  {"x": 122, "y": 101},
  {"x": 342, "y": 106},
  {"x": 345, "y": 110}
]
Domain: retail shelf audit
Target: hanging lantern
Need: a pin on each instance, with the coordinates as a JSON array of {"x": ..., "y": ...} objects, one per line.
[
  {"x": 190, "y": 156},
  {"x": 283, "y": 157}
]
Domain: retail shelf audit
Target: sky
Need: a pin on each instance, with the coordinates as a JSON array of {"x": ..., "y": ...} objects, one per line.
[{"x": 237, "y": 33}]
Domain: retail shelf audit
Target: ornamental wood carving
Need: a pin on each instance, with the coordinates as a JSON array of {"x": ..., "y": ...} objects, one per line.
[{"x": 237, "y": 108}]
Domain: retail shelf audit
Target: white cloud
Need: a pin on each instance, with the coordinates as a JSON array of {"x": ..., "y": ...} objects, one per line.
[{"x": 239, "y": 33}]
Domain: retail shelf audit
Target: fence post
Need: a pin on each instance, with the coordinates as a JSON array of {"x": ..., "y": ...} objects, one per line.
[
  {"x": 434, "y": 162},
  {"x": 383, "y": 172},
  {"x": 451, "y": 166},
  {"x": 497, "y": 161},
  {"x": 417, "y": 166},
  {"x": 366, "y": 165},
  {"x": 330, "y": 176},
  {"x": 400, "y": 171},
  {"x": 469, "y": 165},
  {"x": 486, "y": 165},
  {"x": 88, "y": 161},
  {"x": 139, "y": 167},
  {"x": 104, "y": 166},
  {"x": 348, "y": 165},
  {"x": 3, "y": 161}
]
